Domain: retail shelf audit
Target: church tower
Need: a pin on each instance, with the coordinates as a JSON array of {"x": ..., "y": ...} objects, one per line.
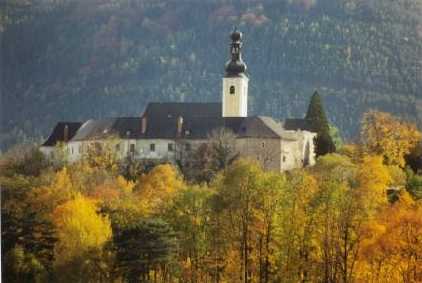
[{"x": 235, "y": 81}]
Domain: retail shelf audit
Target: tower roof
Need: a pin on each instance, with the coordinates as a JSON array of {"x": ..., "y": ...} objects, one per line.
[{"x": 235, "y": 66}]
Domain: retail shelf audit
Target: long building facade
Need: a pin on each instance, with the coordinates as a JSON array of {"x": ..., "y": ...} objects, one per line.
[{"x": 167, "y": 131}]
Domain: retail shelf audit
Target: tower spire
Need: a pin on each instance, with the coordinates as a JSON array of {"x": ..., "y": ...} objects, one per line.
[{"x": 235, "y": 66}]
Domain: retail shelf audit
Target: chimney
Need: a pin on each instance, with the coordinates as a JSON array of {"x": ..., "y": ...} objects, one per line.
[
  {"x": 144, "y": 125},
  {"x": 179, "y": 126},
  {"x": 66, "y": 133}
]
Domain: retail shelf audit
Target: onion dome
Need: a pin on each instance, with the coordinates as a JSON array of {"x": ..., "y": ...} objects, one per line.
[
  {"x": 236, "y": 35},
  {"x": 235, "y": 66}
]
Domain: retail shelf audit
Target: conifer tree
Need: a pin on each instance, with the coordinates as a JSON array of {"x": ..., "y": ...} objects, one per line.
[
  {"x": 144, "y": 246},
  {"x": 319, "y": 123}
]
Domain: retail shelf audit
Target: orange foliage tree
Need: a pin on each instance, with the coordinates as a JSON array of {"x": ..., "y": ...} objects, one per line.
[{"x": 392, "y": 246}]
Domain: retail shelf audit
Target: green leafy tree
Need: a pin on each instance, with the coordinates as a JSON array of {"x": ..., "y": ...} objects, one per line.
[
  {"x": 319, "y": 123},
  {"x": 414, "y": 184},
  {"x": 23, "y": 225},
  {"x": 21, "y": 266},
  {"x": 142, "y": 247},
  {"x": 336, "y": 137},
  {"x": 414, "y": 158}
]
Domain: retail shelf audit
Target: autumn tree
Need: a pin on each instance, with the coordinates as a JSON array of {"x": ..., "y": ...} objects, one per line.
[
  {"x": 158, "y": 187},
  {"x": 392, "y": 249},
  {"x": 339, "y": 213},
  {"x": 295, "y": 229},
  {"x": 102, "y": 154},
  {"x": 81, "y": 231},
  {"x": 239, "y": 196},
  {"x": 373, "y": 179},
  {"x": 189, "y": 215},
  {"x": 385, "y": 135},
  {"x": 272, "y": 186}
]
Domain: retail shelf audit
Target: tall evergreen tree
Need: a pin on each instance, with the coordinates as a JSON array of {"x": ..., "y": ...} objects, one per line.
[
  {"x": 319, "y": 123},
  {"x": 144, "y": 246}
]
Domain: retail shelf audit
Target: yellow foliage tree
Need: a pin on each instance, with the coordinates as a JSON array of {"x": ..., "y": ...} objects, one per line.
[
  {"x": 383, "y": 134},
  {"x": 48, "y": 197},
  {"x": 392, "y": 247},
  {"x": 79, "y": 228},
  {"x": 373, "y": 178},
  {"x": 125, "y": 185},
  {"x": 295, "y": 228},
  {"x": 158, "y": 187},
  {"x": 240, "y": 194}
]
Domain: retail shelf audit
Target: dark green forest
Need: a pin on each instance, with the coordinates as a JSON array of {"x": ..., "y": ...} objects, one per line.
[{"x": 80, "y": 59}]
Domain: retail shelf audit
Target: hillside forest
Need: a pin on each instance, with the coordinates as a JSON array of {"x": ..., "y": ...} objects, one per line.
[
  {"x": 73, "y": 60},
  {"x": 356, "y": 216}
]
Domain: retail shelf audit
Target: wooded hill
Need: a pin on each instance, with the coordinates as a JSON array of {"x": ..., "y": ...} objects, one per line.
[{"x": 81, "y": 59}]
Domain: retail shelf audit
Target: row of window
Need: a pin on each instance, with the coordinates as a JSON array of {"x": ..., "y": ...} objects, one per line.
[
  {"x": 271, "y": 159},
  {"x": 152, "y": 147}
]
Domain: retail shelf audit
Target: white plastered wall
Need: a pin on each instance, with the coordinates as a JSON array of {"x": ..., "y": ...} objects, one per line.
[{"x": 235, "y": 105}]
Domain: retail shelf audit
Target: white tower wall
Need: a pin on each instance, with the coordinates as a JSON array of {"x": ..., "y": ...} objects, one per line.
[{"x": 235, "y": 104}]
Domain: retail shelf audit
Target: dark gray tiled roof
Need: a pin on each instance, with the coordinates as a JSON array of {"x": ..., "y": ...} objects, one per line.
[
  {"x": 199, "y": 120},
  {"x": 124, "y": 127},
  {"x": 200, "y": 128},
  {"x": 58, "y": 134},
  {"x": 193, "y": 128},
  {"x": 260, "y": 126},
  {"x": 297, "y": 124},
  {"x": 160, "y": 110}
]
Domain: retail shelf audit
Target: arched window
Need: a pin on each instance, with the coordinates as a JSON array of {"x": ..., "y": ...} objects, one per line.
[{"x": 232, "y": 90}]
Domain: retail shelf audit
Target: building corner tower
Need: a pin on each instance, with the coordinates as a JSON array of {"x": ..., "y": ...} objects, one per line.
[{"x": 235, "y": 81}]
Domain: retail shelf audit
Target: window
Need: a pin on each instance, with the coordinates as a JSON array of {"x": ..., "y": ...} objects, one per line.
[
  {"x": 232, "y": 89},
  {"x": 132, "y": 148},
  {"x": 284, "y": 158},
  {"x": 72, "y": 149},
  {"x": 187, "y": 147},
  {"x": 263, "y": 144},
  {"x": 118, "y": 147},
  {"x": 152, "y": 147},
  {"x": 170, "y": 147}
]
